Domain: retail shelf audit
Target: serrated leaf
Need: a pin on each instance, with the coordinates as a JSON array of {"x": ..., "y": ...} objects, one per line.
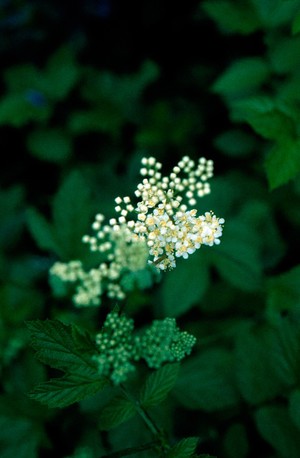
[
  {"x": 42, "y": 231},
  {"x": 283, "y": 162},
  {"x": 185, "y": 285},
  {"x": 55, "y": 346},
  {"x": 184, "y": 449},
  {"x": 277, "y": 428},
  {"x": 62, "y": 392},
  {"x": 159, "y": 384},
  {"x": 242, "y": 76},
  {"x": 207, "y": 382},
  {"x": 117, "y": 411}
]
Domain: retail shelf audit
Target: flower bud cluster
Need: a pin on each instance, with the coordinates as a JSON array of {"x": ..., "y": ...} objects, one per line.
[
  {"x": 164, "y": 342},
  {"x": 118, "y": 347}
]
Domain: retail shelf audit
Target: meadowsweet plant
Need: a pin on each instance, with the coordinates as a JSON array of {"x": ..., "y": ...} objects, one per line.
[
  {"x": 147, "y": 236},
  {"x": 149, "y": 232}
]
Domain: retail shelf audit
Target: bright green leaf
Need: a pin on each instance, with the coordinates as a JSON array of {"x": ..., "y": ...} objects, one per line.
[
  {"x": 184, "y": 449},
  {"x": 277, "y": 428},
  {"x": 207, "y": 382},
  {"x": 117, "y": 411},
  {"x": 158, "y": 385}
]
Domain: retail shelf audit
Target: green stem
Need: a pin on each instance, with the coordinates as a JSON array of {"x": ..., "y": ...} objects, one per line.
[
  {"x": 158, "y": 434},
  {"x": 142, "y": 412},
  {"x": 132, "y": 450}
]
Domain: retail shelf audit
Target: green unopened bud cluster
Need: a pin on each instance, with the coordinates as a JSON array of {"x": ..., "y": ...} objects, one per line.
[{"x": 119, "y": 347}]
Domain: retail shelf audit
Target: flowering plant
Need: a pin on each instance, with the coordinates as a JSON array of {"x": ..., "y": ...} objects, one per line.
[{"x": 146, "y": 236}]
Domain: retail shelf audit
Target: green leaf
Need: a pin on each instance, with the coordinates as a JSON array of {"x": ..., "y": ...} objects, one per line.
[
  {"x": 69, "y": 349},
  {"x": 158, "y": 385},
  {"x": 61, "y": 73},
  {"x": 207, "y": 382},
  {"x": 268, "y": 118},
  {"x": 294, "y": 407},
  {"x": 274, "y": 13},
  {"x": 17, "y": 110},
  {"x": 296, "y": 24},
  {"x": 284, "y": 55},
  {"x": 72, "y": 211},
  {"x": 51, "y": 145},
  {"x": 283, "y": 163},
  {"x": 284, "y": 291},
  {"x": 185, "y": 286},
  {"x": 116, "y": 412},
  {"x": 277, "y": 428},
  {"x": 237, "y": 258},
  {"x": 235, "y": 143},
  {"x": 184, "y": 449},
  {"x": 63, "y": 391},
  {"x": 267, "y": 358},
  {"x": 231, "y": 16},
  {"x": 242, "y": 76},
  {"x": 56, "y": 346},
  {"x": 42, "y": 231}
]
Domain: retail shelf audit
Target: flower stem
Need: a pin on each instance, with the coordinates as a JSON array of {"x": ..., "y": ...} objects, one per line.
[{"x": 157, "y": 433}]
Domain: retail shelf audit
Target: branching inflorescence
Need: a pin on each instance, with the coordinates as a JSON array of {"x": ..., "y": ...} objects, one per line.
[
  {"x": 158, "y": 228},
  {"x": 119, "y": 347}
]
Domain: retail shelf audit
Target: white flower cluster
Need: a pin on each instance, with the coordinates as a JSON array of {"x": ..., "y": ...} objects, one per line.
[
  {"x": 161, "y": 220},
  {"x": 159, "y": 228},
  {"x": 89, "y": 288}
]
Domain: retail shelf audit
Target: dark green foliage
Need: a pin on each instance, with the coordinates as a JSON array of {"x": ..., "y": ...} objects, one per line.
[
  {"x": 65, "y": 348},
  {"x": 87, "y": 90}
]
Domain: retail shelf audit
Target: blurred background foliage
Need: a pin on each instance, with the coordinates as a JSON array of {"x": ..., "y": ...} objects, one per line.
[{"x": 86, "y": 91}]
